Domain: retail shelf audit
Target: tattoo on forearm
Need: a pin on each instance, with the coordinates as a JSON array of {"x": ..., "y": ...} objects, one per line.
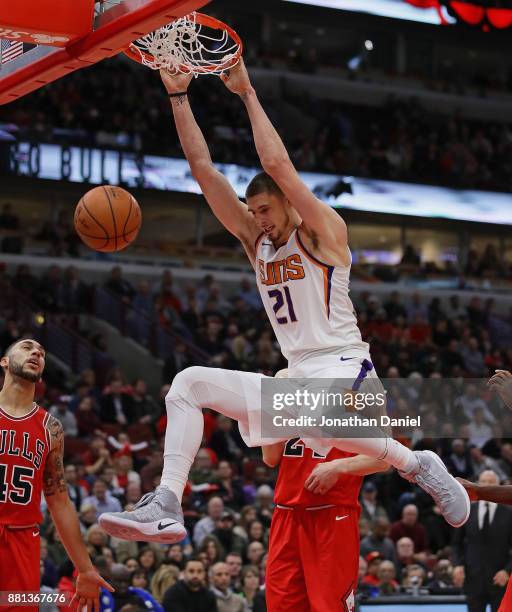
[
  {"x": 53, "y": 475},
  {"x": 180, "y": 100}
]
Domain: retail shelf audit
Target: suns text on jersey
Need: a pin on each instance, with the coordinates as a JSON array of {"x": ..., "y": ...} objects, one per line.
[
  {"x": 17, "y": 444},
  {"x": 281, "y": 271}
]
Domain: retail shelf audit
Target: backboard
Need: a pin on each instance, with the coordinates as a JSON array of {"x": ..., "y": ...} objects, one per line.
[{"x": 72, "y": 35}]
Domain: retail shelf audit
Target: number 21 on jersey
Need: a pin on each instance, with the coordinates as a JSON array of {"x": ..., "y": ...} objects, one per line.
[{"x": 283, "y": 305}]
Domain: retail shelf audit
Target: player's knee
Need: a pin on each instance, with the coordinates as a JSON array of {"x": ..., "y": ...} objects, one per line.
[{"x": 182, "y": 383}]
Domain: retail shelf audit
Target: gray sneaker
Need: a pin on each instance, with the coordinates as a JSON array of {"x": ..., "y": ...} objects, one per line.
[
  {"x": 450, "y": 496},
  {"x": 156, "y": 517}
]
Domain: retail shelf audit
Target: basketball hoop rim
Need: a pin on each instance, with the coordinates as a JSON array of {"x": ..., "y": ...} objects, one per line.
[{"x": 136, "y": 54}]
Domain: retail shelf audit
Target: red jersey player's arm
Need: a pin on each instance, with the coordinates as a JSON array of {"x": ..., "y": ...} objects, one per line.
[
  {"x": 65, "y": 518},
  {"x": 272, "y": 453},
  {"x": 325, "y": 475},
  {"x": 492, "y": 493}
]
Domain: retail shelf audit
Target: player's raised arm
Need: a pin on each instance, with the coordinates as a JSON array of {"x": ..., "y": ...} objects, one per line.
[
  {"x": 500, "y": 494},
  {"x": 219, "y": 194},
  {"x": 64, "y": 516},
  {"x": 317, "y": 216}
]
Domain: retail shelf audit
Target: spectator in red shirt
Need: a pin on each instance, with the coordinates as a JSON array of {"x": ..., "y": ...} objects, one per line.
[
  {"x": 408, "y": 527},
  {"x": 420, "y": 331},
  {"x": 374, "y": 560}
]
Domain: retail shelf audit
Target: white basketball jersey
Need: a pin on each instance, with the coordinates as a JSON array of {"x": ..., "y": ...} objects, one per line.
[{"x": 307, "y": 302}]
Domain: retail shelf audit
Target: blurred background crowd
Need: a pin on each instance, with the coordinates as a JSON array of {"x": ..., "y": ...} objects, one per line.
[{"x": 434, "y": 357}]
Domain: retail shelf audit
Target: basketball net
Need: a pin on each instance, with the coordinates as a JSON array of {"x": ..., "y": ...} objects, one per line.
[{"x": 196, "y": 44}]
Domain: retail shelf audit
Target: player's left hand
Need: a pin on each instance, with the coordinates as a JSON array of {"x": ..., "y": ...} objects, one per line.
[
  {"x": 501, "y": 578},
  {"x": 87, "y": 593},
  {"x": 323, "y": 477},
  {"x": 471, "y": 488},
  {"x": 236, "y": 79}
]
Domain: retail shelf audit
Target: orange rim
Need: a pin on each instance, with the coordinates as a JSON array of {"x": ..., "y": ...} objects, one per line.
[{"x": 136, "y": 54}]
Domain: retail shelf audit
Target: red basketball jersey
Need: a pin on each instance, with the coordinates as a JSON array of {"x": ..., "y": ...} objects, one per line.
[
  {"x": 296, "y": 465},
  {"x": 24, "y": 447}
]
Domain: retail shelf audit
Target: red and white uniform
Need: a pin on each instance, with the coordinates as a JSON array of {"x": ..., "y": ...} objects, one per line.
[
  {"x": 24, "y": 447},
  {"x": 313, "y": 557},
  {"x": 506, "y": 602}
]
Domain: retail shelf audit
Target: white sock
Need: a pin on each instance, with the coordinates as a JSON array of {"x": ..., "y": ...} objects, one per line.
[
  {"x": 387, "y": 449},
  {"x": 225, "y": 391}
]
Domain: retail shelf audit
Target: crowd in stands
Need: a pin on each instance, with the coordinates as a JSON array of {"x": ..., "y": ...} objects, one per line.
[
  {"x": 402, "y": 140},
  {"x": 427, "y": 353}
]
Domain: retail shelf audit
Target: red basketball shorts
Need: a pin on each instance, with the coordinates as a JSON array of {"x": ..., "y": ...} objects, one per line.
[
  {"x": 19, "y": 562},
  {"x": 506, "y": 603},
  {"x": 313, "y": 560}
]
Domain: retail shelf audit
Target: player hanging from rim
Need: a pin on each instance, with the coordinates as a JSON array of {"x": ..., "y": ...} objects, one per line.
[
  {"x": 31, "y": 462},
  {"x": 298, "y": 248},
  {"x": 501, "y": 382}
]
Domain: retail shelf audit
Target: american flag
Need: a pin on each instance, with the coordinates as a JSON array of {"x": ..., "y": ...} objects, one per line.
[{"x": 9, "y": 50}]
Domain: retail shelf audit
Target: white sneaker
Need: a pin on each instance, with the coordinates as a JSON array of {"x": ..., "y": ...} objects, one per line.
[
  {"x": 156, "y": 517},
  {"x": 433, "y": 477}
]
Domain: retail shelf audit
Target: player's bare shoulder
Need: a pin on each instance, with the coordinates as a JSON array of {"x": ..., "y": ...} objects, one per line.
[
  {"x": 322, "y": 248},
  {"x": 250, "y": 242},
  {"x": 53, "y": 475}
]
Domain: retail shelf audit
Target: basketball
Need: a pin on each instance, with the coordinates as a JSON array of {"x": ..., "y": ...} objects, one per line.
[{"x": 107, "y": 218}]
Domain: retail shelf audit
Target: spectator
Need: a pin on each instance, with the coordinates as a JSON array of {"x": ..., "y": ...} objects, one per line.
[
  {"x": 234, "y": 563},
  {"x": 255, "y": 552},
  {"x": 379, "y": 541},
  {"x": 166, "y": 576},
  {"x": 202, "y": 471},
  {"x": 505, "y": 463},
  {"x": 224, "y": 533},
  {"x": 224, "y": 440},
  {"x": 230, "y": 489},
  {"x": 386, "y": 576},
  {"x": 480, "y": 431},
  {"x": 473, "y": 358},
  {"x": 76, "y": 492},
  {"x": 370, "y": 507},
  {"x": 265, "y": 504},
  {"x": 414, "y": 577},
  {"x": 88, "y": 422},
  {"x": 220, "y": 579},
  {"x": 408, "y": 527},
  {"x": 60, "y": 411},
  {"x": 371, "y": 579},
  {"x": 151, "y": 470},
  {"x": 442, "y": 581},
  {"x": 483, "y": 547},
  {"x": 190, "y": 593},
  {"x": 250, "y": 585},
  {"x": 206, "y": 525},
  {"x": 101, "y": 499},
  {"x": 459, "y": 461},
  {"x": 178, "y": 360},
  {"x": 117, "y": 285},
  {"x": 249, "y": 294},
  {"x": 148, "y": 561},
  {"x": 145, "y": 409},
  {"x": 126, "y": 596},
  {"x": 212, "y": 550}
]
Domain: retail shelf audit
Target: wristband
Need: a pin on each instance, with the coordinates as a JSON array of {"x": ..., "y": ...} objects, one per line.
[{"x": 178, "y": 94}]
